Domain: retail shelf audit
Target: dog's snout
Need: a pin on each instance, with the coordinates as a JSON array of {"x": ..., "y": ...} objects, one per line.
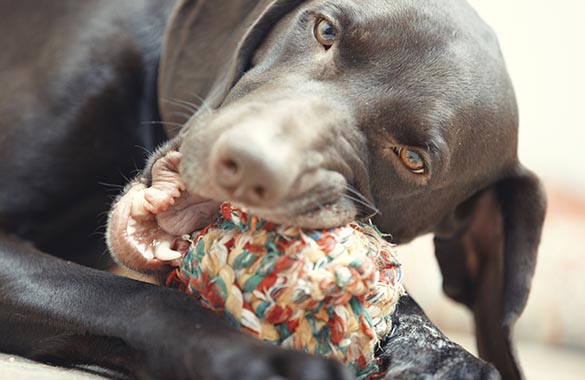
[{"x": 249, "y": 169}]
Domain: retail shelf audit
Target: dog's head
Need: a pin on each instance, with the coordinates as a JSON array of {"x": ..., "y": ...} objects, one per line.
[{"x": 318, "y": 112}]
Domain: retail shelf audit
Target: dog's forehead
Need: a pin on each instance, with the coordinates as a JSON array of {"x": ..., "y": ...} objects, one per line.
[
  {"x": 380, "y": 21},
  {"x": 399, "y": 34},
  {"x": 403, "y": 62},
  {"x": 419, "y": 44}
]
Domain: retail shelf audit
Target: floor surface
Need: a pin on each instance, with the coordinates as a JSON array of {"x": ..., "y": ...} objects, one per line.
[{"x": 540, "y": 363}]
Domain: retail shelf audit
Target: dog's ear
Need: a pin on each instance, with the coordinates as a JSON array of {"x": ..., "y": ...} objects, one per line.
[
  {"x": 487, "y": 253},
  {"x": 208, "y": 47}
]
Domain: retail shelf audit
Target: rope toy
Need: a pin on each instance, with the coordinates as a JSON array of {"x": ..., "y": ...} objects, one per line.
[{"x": 329, "y": 292}]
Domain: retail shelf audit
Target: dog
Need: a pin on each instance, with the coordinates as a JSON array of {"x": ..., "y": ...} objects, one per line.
[{"x": 316, "y": 112}]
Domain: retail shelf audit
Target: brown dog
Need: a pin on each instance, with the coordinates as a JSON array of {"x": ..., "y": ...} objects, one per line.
[{"x": 315, "y": 111}]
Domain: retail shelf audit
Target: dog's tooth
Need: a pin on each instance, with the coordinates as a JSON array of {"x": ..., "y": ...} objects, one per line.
[
  {"x": 131, "y": 229},
  {"x": 167, "y": 254},
  {"x": 145, "y": 251},
  {"x": 164, "y": 252},
  {"x": 150, "y": 253},
  {"x": 139, "y": 204}
]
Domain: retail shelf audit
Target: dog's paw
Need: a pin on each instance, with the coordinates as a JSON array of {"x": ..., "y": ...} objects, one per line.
[
  {"x": 274, "y": 363},
  {"x": 449, "y": 363},
  {"x": 466, "y": 370},
  {"x": 417, "y": 350},
  {"x": 238, "y": 357}
]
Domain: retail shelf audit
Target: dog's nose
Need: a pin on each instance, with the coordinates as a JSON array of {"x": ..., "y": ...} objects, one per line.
[{"x": 249, "y": 169}]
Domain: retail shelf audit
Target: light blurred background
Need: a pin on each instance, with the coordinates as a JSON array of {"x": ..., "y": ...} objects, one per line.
[{"x": 544, "y": 46}]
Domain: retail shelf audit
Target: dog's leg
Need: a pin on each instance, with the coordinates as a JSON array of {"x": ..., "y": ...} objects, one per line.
[
  {"x": 56, "y": 311},
  {"x": 417, "y": 349}
]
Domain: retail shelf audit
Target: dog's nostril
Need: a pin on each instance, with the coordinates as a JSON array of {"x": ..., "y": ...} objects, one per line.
[
  {"x": 260, "y": 191},
  {"x": 231, "y": 166},
  {"x": 228, "y": 172},
  {"x": 248, "y": 171}
]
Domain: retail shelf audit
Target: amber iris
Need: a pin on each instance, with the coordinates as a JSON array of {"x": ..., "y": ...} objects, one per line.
[
  {"x": 325, "y": 33},
  {"x": 412, "y": 160}
]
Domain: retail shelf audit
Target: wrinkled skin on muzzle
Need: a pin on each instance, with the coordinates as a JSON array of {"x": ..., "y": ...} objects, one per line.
[{"x": 297, "y": 145}]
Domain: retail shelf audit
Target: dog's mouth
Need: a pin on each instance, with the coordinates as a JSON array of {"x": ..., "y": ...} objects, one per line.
[
  {"x": 332, "y": 211},
  {"x": 148, "y": 225},
  {"x": 144, "y": 241}
]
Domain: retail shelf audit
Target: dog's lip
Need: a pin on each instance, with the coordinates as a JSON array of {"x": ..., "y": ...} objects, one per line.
[
  {"x": 179, "y": 221},
  {"x": 318, "y": 207},
  {"x": 302, "y": 210},
  {"x": 312, "y": 216},
  {"x": 136, "y": 241}
]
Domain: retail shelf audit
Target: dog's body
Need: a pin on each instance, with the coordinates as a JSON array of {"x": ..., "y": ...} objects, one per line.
[{"x": 81, "y": 86}]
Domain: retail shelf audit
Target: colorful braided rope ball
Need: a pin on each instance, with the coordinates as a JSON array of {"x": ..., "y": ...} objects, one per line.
[{"x": 329, "y": 292}]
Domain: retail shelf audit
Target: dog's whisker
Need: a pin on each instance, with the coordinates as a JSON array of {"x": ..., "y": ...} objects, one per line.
[
  {"x": 355, "y": 191},
  {"x": 103, "y": 216},
  {"x": 142, "y": 148},
  {"x": 361, "y": 202},
  {"x": 197, "y": 97},
  {"x": 364, "y": 214},
  {"x": 169, "y": 123},
  {"x": 202, "y": 102},
  {"x": 194, "y": 107},
  {"x": 362, "y": 199},
  {"x": 111, "y": 186},
  {"x": 181, "y": 104},
  {"x": 371, "y": 215},
  {"x": 184, "y": 115},
  {"x": 126, "y": 179}
]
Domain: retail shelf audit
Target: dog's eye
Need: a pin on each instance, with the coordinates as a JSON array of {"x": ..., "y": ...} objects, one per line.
[
  {"x": 325, "y": 33},
  {"x": 411, "y": 159}
]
